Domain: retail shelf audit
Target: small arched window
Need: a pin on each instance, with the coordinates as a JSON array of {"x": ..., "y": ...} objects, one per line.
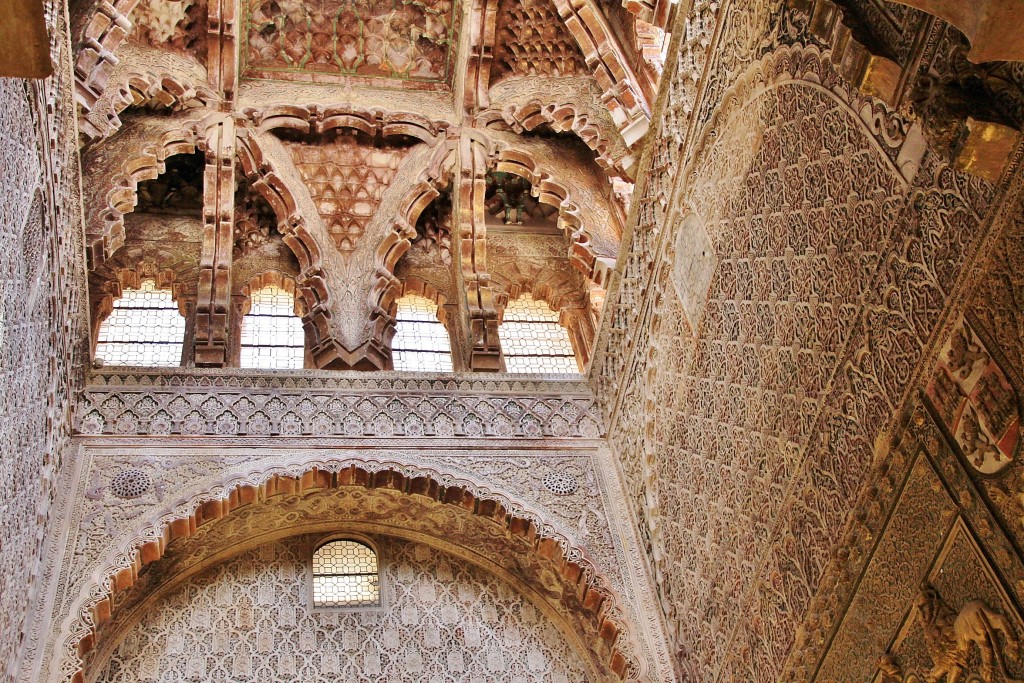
[
  {"x": 532, "y": 339},
  {"x": 345, "y": 574},
  {"x": 272, "y": 335},
  {"x": 144, "y": 328},
  {"x": 421, "y": 342}
]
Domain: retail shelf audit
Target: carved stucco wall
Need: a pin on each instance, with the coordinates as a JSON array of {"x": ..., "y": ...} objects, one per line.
[
  {"x": 250, "y": 618},
  {"x": 531, "y": 444},
  {"x": 933, "y": 511},
  {"x": 41, "y": 276},
  {"x": 840, "y": 242}
]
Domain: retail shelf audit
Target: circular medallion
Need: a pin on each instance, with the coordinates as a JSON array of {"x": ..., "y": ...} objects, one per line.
[
  {"x": 561, "y": 483},
  {"x": 130, "y": 484}
]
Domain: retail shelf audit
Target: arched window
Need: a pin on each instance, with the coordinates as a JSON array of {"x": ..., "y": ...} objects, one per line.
[
  {"x": 144, "y": 328},
  {"x": 532, "y": 340},
  {"x": 272, "y": 335},
  {"x": 421, "y": 342},
  {"x": 345, "y": 574}
]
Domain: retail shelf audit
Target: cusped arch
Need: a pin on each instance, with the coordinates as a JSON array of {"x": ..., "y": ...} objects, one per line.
[
  {"x": 142, "y": 88},
  {"x": 303, "y": 233},
  {"x": 268, "y": 278},
  {"x": 572, "y": 216},
  {"x": 113, "y": 193},
  {"x": 386, "y": 287},
  {"x": 108, "y": 282},
  {"x": 487, "y": 527},
  {"x": 319, "y": 119},
  {"x": 609, "y": 154}
]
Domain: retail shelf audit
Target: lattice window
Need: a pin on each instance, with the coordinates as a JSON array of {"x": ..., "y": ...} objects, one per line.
[
  {"x": 532, "y": 340},
  {"x": 345, "y": 575},
  {"x": 272, "y": 335},
  {"x": 421, "y": 342},
  {"x": 144, "y": 328}
]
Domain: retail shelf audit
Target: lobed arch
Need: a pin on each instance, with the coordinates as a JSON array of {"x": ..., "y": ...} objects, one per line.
[
  {"x": 386, "y": 287},
  {"x": 271, "y": 278},
  {"x": 486, "y": 527},
  {"x": 302, "y": 237},
  {"x": 114, "y": 277},
  {"x": 573, "y": 217},
  {"x": 419, "y": 287},
  {"x": 318, "y": 118},
  {"x": 142, "y": 88},
  {"x": 562, "y": 117},
  {"x": 551, "y": 292},
  {"x": 113, "y": 194},
  {"x": 575, "y": 308}
]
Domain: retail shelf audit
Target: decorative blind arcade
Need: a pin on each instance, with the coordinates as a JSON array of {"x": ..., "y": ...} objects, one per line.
[
  {"x": 345, "y": 575},
  {"x": 272, "y": 335},
  {"x": 532, "y": 340},
  {"x": 144, "y": 328},
  {"x": 421, "y": 342}
]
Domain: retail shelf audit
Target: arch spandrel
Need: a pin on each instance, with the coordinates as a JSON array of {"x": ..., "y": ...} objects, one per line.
[{"x": 482, "y": 525}]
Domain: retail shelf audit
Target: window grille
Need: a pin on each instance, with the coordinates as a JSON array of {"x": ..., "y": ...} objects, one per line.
[
  {"x": 272, "y": 335},
  {"x": 144, "y": 328},
  {"x": 532, "y": 340},
  {"x": 421, "y": 342},
  {"x": 345, "y": 575}
]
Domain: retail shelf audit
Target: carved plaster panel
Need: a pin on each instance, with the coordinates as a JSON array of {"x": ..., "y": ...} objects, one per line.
[
  {"x": 405, "y": 41},
  {"x": 446, "y": 620},
  {"x": 237, "y": 403},
  {"x": 44, "y": 319},
  {"x": 814, "y": 440},
  {"x": 123, "y": 483},
  {"x": 932, "y": 585}
]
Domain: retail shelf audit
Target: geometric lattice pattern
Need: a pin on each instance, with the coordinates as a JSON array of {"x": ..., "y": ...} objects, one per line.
[
  {"x": 532, "y": 340},
  {"x": 272, "y": 335},
  {"x": 144, "y": 328},
  {"x": 517, "y": 52},
  {"x": 346, "y": 180},
  {"x": 245, "y": 620},
  {"x": 421, "y": 342},
  {"x": 345, "y": 575}
]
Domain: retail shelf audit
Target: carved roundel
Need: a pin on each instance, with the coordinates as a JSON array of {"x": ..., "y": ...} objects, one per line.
[
  {"x": 561, "y": 483},
  {"x": 130, "y": 484}
]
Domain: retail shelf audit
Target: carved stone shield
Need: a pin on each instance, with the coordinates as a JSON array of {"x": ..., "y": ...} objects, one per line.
[{"x": 978, "y": 404}]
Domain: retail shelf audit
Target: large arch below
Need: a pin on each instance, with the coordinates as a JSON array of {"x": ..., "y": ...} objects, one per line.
[
  {"x": 293, "y": 543},
  {"x": 483, "y": 527}
]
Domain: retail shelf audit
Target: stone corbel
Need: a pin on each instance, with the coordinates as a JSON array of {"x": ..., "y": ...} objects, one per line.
[{"x": 213, "y": 301}]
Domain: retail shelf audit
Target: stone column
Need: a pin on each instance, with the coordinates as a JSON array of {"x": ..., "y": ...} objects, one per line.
[
  {"x": 485, "y": 354},
  {"x": 214, "y": 293}
]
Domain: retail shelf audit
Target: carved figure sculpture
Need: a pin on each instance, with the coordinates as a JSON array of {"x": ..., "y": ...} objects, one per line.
[
  {"x": 950, "y": 637},
  {"x": 964, "y": 353},
  {"x": 978, "y": 445}
]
